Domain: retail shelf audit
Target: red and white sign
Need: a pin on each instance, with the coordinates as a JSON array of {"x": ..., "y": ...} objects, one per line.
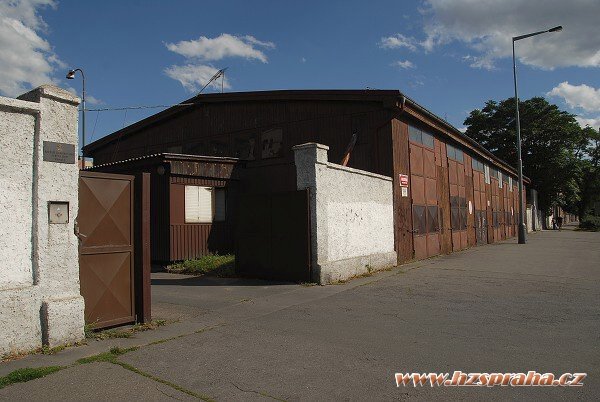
[{"x": 403, "y": 180}]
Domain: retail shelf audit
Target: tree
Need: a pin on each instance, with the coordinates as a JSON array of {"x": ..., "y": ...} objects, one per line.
[
  {"x": 553, "y": 146},
  {"x": 590, "y": 178}
]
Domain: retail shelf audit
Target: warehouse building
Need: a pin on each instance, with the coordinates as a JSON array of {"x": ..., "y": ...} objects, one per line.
[{"x": 221, "y": 163}]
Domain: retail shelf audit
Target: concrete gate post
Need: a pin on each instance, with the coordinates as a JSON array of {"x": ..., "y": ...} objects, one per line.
[{"x": 40, "y": 301}]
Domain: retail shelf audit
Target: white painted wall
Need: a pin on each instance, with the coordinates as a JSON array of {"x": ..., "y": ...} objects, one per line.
[
  {"x": 40, "y": 302},
  {"x": 352, "y": 225}
]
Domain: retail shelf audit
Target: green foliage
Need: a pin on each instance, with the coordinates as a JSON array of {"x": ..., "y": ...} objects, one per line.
[
  {"x": 215, "y": 264},
  {"x": 590, "y": 223},
  {"x": 27, "y": 374},
  {"x": 555, "y": 149}
]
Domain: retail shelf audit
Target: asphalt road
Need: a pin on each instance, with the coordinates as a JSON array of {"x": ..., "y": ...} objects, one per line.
[{"x": 499, "y": 308}]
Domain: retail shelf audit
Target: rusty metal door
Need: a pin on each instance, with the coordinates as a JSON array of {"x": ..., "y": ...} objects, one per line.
[
  {"x": 458, "y": 204},
  {"x": 273, "y": 236},
  {"x": 480, "y": 227},
  {"x": 480, "y": 203},
  {"x": 425, "y": 211},
  {"x": 105, "y": 230}
]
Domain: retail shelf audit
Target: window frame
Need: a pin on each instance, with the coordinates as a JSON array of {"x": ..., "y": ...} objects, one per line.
[
  {"x": 185, "y": 205},
  {"x": 417, "y": 135}
]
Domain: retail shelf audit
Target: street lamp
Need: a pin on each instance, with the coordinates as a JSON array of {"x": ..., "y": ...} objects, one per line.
[
  {"x": 522, "y": 231},
  {"x": 71, "y": 76}
]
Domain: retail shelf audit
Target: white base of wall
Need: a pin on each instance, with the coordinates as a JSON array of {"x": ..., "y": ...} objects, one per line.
[
  {"x": 335, "y": 271},
  {"x": 28, "y": 322},
  {"x": 20, "y": 325},
  {"x": 63, "y": 320}
]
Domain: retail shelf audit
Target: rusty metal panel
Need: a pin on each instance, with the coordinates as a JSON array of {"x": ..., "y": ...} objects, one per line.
[
  {"x": 416, "y": 160},
  {"x": 431, "y": 191},
  {"x": 418, "y": 189},
  {"x": 105, "y": 226},
  {"x": 428, "y": 163},
  {"x": 426, "y": 228}
]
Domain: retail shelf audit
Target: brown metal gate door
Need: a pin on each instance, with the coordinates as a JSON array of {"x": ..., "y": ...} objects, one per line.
[
  {"x": 480, "y": 206},
  {"x": 273, "y": 236},
  {"x": 458, "y": 204},
  {"x": 105, "y": 225},
  {"x": 496, "y": 212},
  {"x": 423, "y": 173}
]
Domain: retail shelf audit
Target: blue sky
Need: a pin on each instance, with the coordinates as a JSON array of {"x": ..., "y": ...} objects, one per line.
[{"x": 449, "y": 56}]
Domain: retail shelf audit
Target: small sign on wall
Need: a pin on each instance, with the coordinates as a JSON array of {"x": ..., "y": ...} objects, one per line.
[
  {"x": 470, "y": 208},
  {"x": 403, "y": 178},
  {"x": 58, "y": 212},
  {"x": 58, "y": 152},
  {"x": 404, "y": 191}
]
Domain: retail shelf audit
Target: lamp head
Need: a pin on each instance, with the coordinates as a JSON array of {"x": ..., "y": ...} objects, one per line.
[
  {"x": 556, "y": 29},
  {"x": 71, "y": 74}
]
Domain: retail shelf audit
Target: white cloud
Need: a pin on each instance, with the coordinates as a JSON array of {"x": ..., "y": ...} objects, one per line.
[
  {"x": 89, "y": 99},
  {"x": 582, "y": 97},
  {"x": 487, "y": 27},
  {"x": 584, "y": 121},
  {"x": 92, "y": 100},
  {"x": 578, "y": 96},
  {"x": 222, "y": 46},
  {"x": 398, "y": 41},
  {"x": 196, "y": 73},
  {"x": 194, "y": 77},
  {"x": 26, "y": 59},
  {"x": 403, "y": 64}
]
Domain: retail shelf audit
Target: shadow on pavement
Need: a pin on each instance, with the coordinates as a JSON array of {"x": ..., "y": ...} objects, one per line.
[{"x": 163, "y": 278}]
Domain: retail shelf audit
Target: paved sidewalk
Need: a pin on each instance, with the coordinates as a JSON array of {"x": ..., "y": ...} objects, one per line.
[{"x": 503, "y": 307}]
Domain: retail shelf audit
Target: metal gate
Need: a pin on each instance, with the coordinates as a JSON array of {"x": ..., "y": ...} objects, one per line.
[
  {"x": 105, "y": 231},
  {"x": 273, "y": 236},
  {"x": 425, "y": 213}
]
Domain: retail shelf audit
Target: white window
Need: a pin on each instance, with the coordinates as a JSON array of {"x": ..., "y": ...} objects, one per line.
[
  {"x": 198, "y": 204},
  {"x": 486, "y": 170},
  {"x": 220, "y": 204},
  {"x": 499, "y": 179},
  {"x": 510, "y": 184}
]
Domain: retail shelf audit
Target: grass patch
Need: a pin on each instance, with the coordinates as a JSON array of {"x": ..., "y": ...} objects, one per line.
[
  {"x": 160, "y": 380},
  {"x": 122, "y": 332},
  {"x": 110, "y": 356},
  {"x": 222, "y": 266},
  {"x": 27, "y": 374},
  {"x": 44, "y": 350}
]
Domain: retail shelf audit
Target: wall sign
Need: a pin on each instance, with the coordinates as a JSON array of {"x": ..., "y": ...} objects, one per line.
[
  {"x": 58, "y": 212},
  {"x": 403, "y": 180},
  {"x": 404, "y": 191},
  {"x": 58, "y": 152},
  {"x": 470, "y": 208}
]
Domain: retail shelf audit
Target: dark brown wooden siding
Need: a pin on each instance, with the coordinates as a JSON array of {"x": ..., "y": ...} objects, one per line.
[
  {"x": 197, "y": 130},
  {"x": 192, "y": 240},
  {"x": 402, "y": 205}
]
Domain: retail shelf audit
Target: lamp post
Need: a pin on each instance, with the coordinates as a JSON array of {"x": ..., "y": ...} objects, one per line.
[
  {"x": 522, "y": 231},
  {"x": 70, "y": 76}
]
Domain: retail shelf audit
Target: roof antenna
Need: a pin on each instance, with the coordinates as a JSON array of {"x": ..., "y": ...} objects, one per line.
[{"x": 220, "y": 73}]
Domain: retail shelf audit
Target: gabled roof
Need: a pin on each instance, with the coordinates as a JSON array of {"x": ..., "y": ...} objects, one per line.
[{"x": 389, "y": 98}]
